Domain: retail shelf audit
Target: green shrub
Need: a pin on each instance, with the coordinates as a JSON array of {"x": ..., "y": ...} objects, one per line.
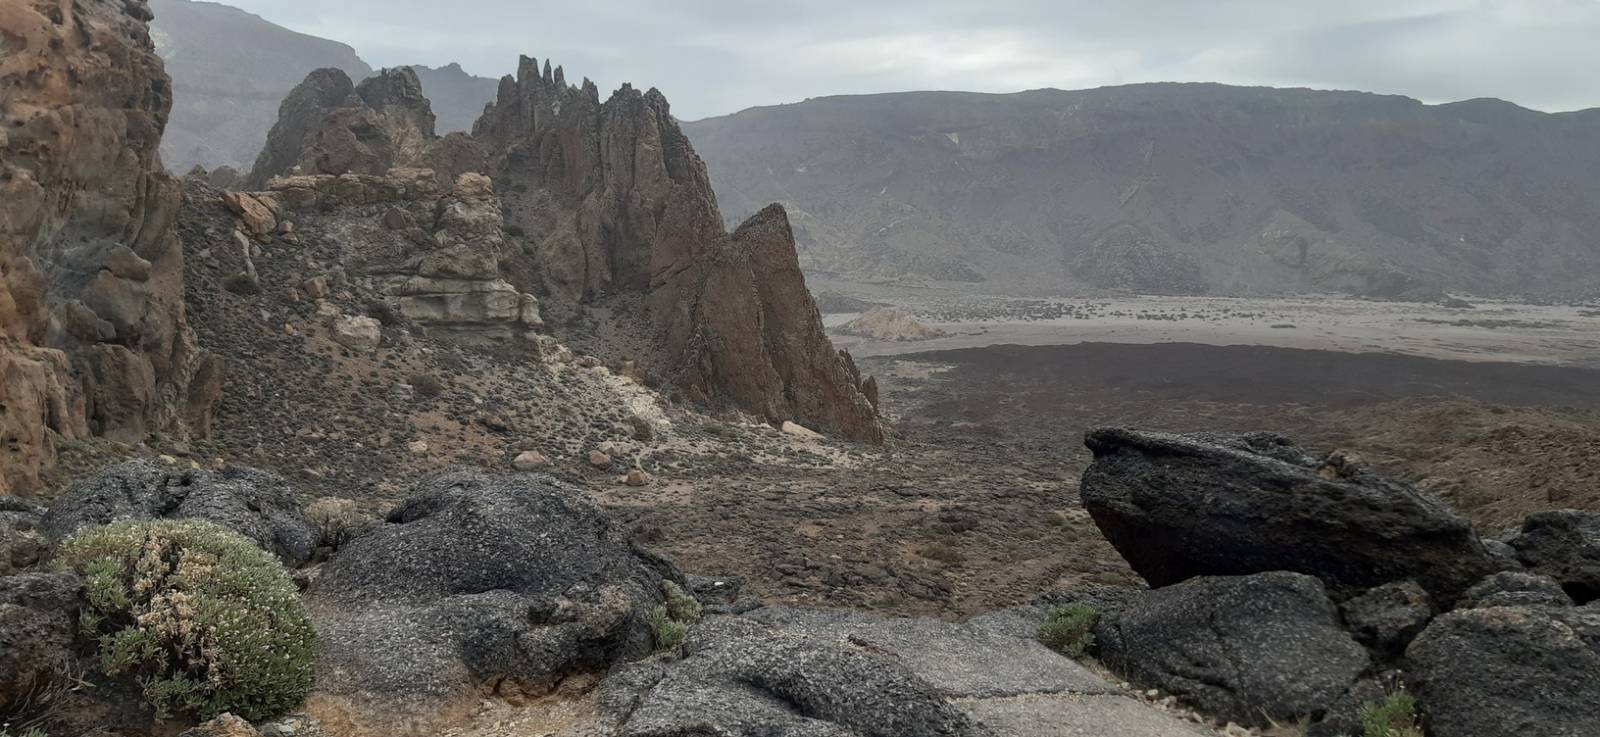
[
  {"x": 669, "y": 632},
  {"x": 670, "y": 622},
  {"x": 204, "y": 620},
  {"x": 680, "y": 605},
  {"x": 1069, "y": 629},
  {"x": 1394, "y": 716}
]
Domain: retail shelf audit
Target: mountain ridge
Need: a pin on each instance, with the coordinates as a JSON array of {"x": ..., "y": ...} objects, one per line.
[{"x": 1174, "y": 188}]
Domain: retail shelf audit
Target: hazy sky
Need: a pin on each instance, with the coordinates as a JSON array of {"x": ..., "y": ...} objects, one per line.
[{"x": 712, "y": 57}]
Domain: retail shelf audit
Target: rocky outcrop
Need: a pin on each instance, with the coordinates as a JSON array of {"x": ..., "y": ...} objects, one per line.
[
  {"x": 1243, "y": 648},
  {"x": 479, "y": 583},
  {"x": 256, "y": 504},
  {"x": 620, "y": 213},
  {"x": 1565, "y": 545},
  {"x": 1517, "y": 589},
  {"x": 436, "y": 252},
  {"x": 93, "y": 337},
  {"x": 330, "y": 125},
  {"x": 1509, "y": 672},
  {"x": 38, "y": 612},
  {"x": 890, "y": 323},
  {"x": 1181, "y": 506},
  {"x": 22, "y": 544}
]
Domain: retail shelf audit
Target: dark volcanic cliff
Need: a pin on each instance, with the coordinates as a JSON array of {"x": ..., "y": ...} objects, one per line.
[
  {"x": 618, "y": 213},
  {"x": 93, "y": 337},
  {"x": 1192, "y": 188}
]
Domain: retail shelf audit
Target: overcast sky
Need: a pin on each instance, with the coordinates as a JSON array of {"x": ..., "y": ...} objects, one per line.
[{"x": 713, "y": 57}]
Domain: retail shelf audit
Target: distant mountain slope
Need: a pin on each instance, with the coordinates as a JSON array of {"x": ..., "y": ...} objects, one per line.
[
  {"x": 231, "y": 69},
  {"x": 1190, "y": 188},
  {"x": 458, "y": 98}
]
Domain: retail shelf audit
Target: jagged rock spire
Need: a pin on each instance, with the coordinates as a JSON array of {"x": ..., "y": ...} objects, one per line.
[{"x": 549, "y": 79}]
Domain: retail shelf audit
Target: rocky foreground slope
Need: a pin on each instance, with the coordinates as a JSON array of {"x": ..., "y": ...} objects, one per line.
[{"x": 1180, "y": 189}]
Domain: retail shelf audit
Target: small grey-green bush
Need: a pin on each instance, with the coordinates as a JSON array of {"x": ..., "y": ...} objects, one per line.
[
  {"x": 205, "y": 620},
  {"x": 1394, "y": 716},
  {"x": 681, "y": 606},
  {"x": 1069, "y": 629}
]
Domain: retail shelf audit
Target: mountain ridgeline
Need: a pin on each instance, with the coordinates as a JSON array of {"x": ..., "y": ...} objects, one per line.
[{"x": 1176, "y": 188}]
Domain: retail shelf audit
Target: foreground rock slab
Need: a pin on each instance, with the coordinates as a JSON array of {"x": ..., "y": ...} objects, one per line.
[
  {"x": 478, "y": 584},
  {"x": 1181, "y": 506},
  {"x": 783, "y": 672}
]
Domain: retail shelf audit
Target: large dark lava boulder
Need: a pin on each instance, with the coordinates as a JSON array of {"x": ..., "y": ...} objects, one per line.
[
  {"x": 1565, "y": 545},
  {"x": 1181, "y": 506},
  {"x": 1509, "y": 672},
  {"x": 1240, "y": 648},
  {"x": 256, "y": 504},
  {"x": 480, "y": 583},
  {"x": 1517, "y": 589},
  {"x": 742, "y": 678}
]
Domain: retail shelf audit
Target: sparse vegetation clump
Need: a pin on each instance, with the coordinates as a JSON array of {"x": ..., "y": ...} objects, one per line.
[
  {"x": 338, "y": 521},
  {"x": 670, "y": 622},
  {"x": 1069, "y": 629},
  {"x": 1394, "y": 716},
  {"x": 204, "y": 620}
]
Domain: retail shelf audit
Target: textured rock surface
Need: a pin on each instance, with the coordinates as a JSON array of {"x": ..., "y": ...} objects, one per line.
[
  {"x": 1241, "y": 648},
  {"x": 620, "y": 214},
  {"x": 37, "y": 614},
  {"x": 478, "y": 583},
  {"x": 22, "y": 543},
  {"x": 1564, "y": 545},
  {"x": 783, "y": 671},
  {"x": 256, "y": 504},
  {"x": 1386, "y": 617},
  {"x": 330, "y": 125},
  {"x": 88, "y": 262},
  {"x": 1208, "y": 505},
  {"x": 1509, "y": 672},
  {"x": 1515, "y": 588}
]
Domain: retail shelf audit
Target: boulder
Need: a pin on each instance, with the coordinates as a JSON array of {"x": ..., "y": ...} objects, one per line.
[
  {"x": 1564, "y": 545},
  {"x": 226, "y": 725},
  {"x": 359, "y": 333},
  {"x": 1247, "y": 649},
  {"x": 741, "y": 678},
  {"x": 1385, "y": 618},
  {"x": 1515, "y": 588},
  {"x": 480, "y": 582},
  {"x": 256, "y": 504},
  {"x": 38, "y": 612},
  {"x": 530, "y": 460},
  {"x": 1509, "y": 672},
  {"x": 1181, "y": 506}
]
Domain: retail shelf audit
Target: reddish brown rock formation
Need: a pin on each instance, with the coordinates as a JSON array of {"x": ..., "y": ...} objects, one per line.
[
  {"x": 619, "y": 210},
  {"x": 92, "y": 331},
  {"x": 329, "y": 125}
]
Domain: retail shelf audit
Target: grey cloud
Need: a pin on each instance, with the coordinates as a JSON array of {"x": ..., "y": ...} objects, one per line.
[{"x": 713, "y": 57}]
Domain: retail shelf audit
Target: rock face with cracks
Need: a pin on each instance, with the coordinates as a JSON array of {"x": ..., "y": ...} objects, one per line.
[
  {"x": 619, "y": 213},
  {"x": 1250, "y": 649},
  {"x": 1181, "y": 506},
  {"x": 479, "y": 584},
  {"x": 1565, "y": 545},
  {"x": 93, "y": 338}
]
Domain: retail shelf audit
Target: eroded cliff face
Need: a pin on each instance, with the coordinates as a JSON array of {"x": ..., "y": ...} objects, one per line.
[
  {"x": 93, "y": 338},
  {"x": 619, "y": 213}
]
